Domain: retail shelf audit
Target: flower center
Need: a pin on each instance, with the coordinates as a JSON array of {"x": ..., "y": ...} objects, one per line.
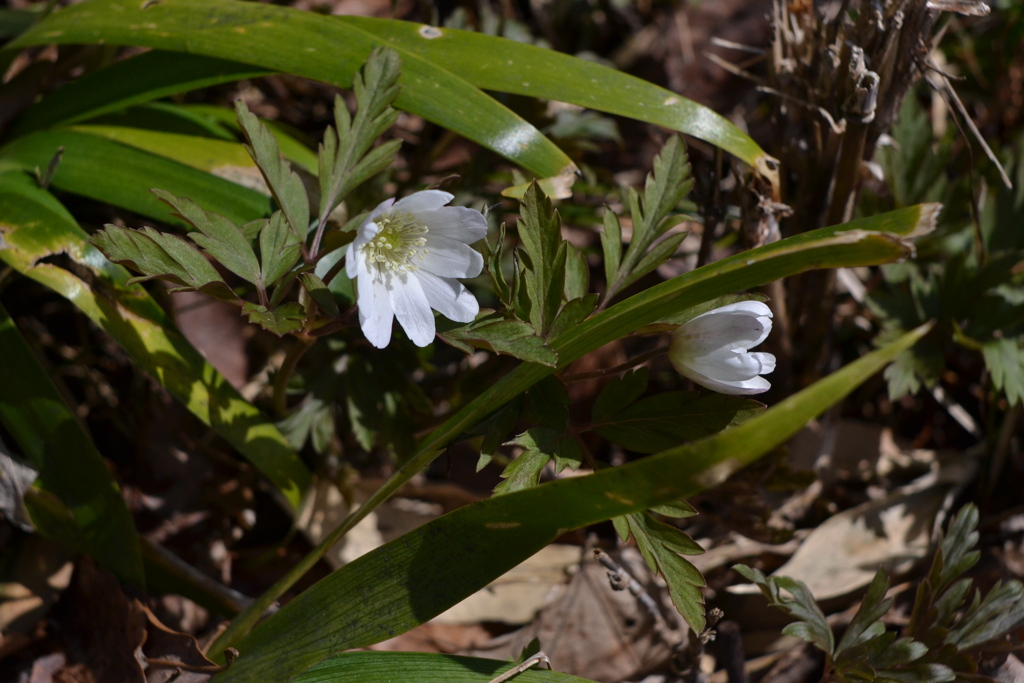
[{"x": 399, "y": 241}]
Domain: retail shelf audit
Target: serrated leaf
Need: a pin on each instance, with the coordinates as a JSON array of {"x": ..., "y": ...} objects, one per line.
[
  {"x": 872, "y": 608},
  {"x": 510, "y": 337},
  {"x": 222, "y": 239},
  {"x": 541, "y": 445},
  {"x": 343, "y": 165},
  {"x": 279, "y": 249},
  {"x": 611, "y": 245},
  {"x": 661, "y": 253},
  {"x": 1004, "y": 358},
  {"x": 523, "y": 472},
  {"x": 549, "y": 401},
  {"x": 541, "y": 237},
  {"x": 668, "y": 419},
  {"x": 319, "y": 292},
  {"x": 497, "y": 428},
  {"x": 662, "y": 547},
  {"x": 666, "y": 185},
  {"x": 811, "y": 625},
  {"x": 619, "y": 393},
  {"x": 159, "y": 255},
  {"x": 573, "y": 313},
  {"x": 284, "y": 183},
  {"x": 281, "y": 320}
]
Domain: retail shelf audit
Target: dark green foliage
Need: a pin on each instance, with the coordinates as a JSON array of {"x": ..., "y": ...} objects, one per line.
[
  {"x": 663, "y": 547},
  {"x": 544, "y": 255},
  {"x": 945, "y": 637},
  {"x": 656, "y": 423},
  {"x": 666, "y": 187},
  {"x": 512, "y": 337},
  {"x": 346, "y": 159}
]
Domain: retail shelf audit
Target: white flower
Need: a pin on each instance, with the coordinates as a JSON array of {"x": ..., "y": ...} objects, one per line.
[
  {"x": 404, "y": 261},
  {"x": 712, "y": 349}
]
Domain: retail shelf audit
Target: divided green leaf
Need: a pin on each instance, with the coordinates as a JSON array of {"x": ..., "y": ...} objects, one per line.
[
  {"x": 159, "y": 255},
  {"x": 540, "y": 445},
  {"x": 284, "y": 183},
  {"x": 279, "y": 249},
  {"x": 663, "y": 547},
  {"x": 344, "y": 162},
  {"x": 544, "y": 253},
  {"x": 219, "y": 237},
  {"x": 511, "y": 337},
  {"x": 281, "y": 320}
]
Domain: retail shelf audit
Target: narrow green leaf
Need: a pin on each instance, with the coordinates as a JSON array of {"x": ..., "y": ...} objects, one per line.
[
  {"x": 421, "y": 667},
  {"x": 70, "y": 467},
  {"x": 660, "y": 254},
  {"x": 35, "y": 227},
  {"x": 415, "y": 577},
  {"x": 307, "y": 44},
  {"x": 142, "y": 78},
  {"x": 110, "y": 172},
  {"x": 218, "y": 236},
  {"x": 284, "y": 183}
]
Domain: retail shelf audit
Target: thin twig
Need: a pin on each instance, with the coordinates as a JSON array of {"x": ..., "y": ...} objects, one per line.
[
  {"x": 837, "y": 128},
  {"x": 605, "y": 372},
  {"x": 284, "y": 374},
  {"x": 622, "y": 580},
  {"x": 539, "y": 659}
]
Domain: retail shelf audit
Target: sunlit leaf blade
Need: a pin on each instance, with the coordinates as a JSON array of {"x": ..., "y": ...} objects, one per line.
[
  {"x": 34, "y": 227},
  {"x": 514, "y": 67},
  {"x": 422, "y": 667},
  {"x": 142, "y": 78},
  {"x": 417, "y": 576},
  {"x": 49, "y": 434},
  {"x": 117, "y": 174},
  {"x": 854, "y": 243},
  {"x": 306, "y": 44}
]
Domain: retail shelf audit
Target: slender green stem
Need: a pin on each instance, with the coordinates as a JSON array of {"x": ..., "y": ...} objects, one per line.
[
  {"x": 605, "y": 372},
  {"x": 284, "y": 375}
]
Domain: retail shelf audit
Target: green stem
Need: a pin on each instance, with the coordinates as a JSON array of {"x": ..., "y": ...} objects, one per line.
[
  {"x": 605, "y": 372},
  {"x": 291, "y": 359}
]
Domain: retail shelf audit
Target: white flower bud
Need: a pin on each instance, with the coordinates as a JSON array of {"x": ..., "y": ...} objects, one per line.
[{"x": 712, "y": 349}]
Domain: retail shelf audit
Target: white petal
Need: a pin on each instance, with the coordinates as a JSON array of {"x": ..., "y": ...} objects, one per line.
[
  {"x": 709, "y": 333},
  {"x": 381, "y": 208},
  {"x": 351, "y": 256},
  {"x": 412, "y": 308},
  {"x": 727, "y": 366},
  {"x": 448, "y": 297},
  {"x": 767, "y": 362},
  {"x": 375, "y": 310},
  {"x": 754, "y": 385},
  {"x": 457, "y": 222},
  {"x": 427, "y": 200},
  {"x": 450, "y": 258},
  {"x": 754, "y": 308}
]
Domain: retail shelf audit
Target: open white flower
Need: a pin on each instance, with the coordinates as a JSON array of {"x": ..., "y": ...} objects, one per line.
[
  {"x": 404, "y": 261},
  {"x": 712, "y": 349}
]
